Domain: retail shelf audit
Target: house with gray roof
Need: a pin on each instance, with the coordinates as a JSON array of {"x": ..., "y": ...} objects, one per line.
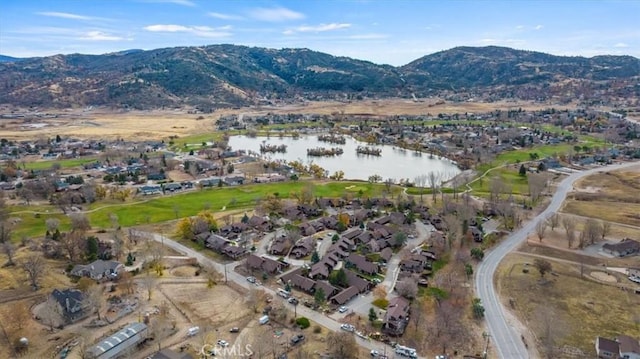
[
  {"x": 72, "y": 304},
  {"x": 98, "y": 270}
]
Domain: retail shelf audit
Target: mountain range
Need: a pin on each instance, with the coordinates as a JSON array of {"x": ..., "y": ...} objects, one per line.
[{"x": 229, "y": 75}]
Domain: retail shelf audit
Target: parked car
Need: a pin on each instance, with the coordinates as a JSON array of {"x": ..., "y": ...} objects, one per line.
[
  {"x": 222, "y": 343},
  {"x": 234, "y": 330},
  {"x": 251, "y": 279},
  {"x": 343, "y": 309},
  {"x": 348, "y": 327},
  {"x": 297, "y": 339},
  {"x": 293, "y": 301}
]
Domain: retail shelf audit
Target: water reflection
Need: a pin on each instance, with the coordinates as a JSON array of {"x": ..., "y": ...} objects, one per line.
[{"x": 393, "y": 162}]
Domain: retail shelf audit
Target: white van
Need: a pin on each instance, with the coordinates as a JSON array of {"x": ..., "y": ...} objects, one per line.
[
  {"x": 283, "y": 293},
  {"x": 263, "y": 319},
  {"x": 406, "y": 351},
  {"x": 193, "y": 331}
]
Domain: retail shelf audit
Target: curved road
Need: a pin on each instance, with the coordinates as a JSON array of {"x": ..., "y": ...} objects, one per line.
[{"x": 504, "y": 338}]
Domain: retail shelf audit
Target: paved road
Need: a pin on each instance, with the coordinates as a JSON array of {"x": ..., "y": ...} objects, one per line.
[
  {"x": 240, "y": 280},
  {"x": 504, "y": 338}
]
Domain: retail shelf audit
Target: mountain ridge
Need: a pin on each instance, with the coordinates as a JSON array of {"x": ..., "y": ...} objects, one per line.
[{"x": 232, "y": 75}]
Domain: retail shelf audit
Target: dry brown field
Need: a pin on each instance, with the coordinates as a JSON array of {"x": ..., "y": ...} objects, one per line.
[
  {"x": 567, "y": 307},
  {"x": 146, "y": 125},
  {"x": 612, "y": 196}
]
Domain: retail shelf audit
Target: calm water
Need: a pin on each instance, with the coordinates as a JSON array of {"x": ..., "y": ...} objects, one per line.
[{"x": 394, "y": 162}]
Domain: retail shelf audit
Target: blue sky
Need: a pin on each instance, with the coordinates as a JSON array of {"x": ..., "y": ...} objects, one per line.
[{"x": 381, "y": 31}]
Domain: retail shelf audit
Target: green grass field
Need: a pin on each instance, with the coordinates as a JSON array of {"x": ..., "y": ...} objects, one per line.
[
  {"x": 73, "y": 162},
  {"x": 160, "y": 209}
]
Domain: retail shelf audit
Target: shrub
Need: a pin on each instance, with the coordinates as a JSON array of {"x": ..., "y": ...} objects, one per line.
[
  {"x": 303, "y": 323},
  {"x": 317, "y": 329},
  {"x": 381, "y": 303},
  {"x": 478, "y": 309}
]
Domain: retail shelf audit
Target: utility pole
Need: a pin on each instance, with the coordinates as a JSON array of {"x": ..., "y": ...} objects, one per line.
[{"x": 486, "y": 346}]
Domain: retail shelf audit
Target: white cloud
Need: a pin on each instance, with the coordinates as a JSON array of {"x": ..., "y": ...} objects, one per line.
[
  {"x": 66, "y": 15},
  {"x": 221, "y": 16},
  {"x": 369, "y": 37},
  {"x": 538, "y": 27},
  {"x": 317, "y": 28},
  {"x": 276, "y": 14},
  {"x": 100, "y": 36},
  {"x": 176, "y": 2},
  {"x": 488, "y": 41},
  {"x": 202, "y": 31},
  {"x": 621, "y": 45},
  {"x": 519, "y": 27}
]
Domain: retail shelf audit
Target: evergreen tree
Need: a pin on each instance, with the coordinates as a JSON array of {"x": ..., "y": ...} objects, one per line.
[
  {"x": 522, "y": 171},
  {"x": 372, "y": 315}
]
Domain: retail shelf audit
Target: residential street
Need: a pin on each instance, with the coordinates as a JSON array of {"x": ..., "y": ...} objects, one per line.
[
  {"x": 240, "y": 280},
  {"x": 507, "y": 341}
]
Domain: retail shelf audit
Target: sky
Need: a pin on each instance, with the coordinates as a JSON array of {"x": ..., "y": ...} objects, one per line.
[{"x": 382, "y": 31}]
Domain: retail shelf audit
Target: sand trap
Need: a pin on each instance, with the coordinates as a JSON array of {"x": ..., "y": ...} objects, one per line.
[{"x": 604, "y": 277}]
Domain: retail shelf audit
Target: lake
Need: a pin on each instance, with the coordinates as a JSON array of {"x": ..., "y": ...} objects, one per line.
[{"x": 394, "y": 162}]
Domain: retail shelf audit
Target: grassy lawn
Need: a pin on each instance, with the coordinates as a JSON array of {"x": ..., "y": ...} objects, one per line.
[
  {"x": 522, "y": 155},
  {"x": 161, "y": 209},
  {"x": 575, "y": 309},
  {"x": 72, "y": 162},
  {"x": 509, "y": 175}
]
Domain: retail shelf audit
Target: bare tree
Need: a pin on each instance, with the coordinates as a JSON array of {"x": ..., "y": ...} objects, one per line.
[
  {"x": 591, "y": 231},
  {"x": 51, "y": 313},
  {"x": 35, "y": 267},
  {"x": 94, "y": 297},
  {"x": 117, "y": 244},
  {"x": 541, "y": 227},
  {"x": 606, "y": 229},
  {"x": 5, "y": 232},
  {"x": 407, "y": 288},
  {"x": 73, "y": 243},
  {"x": 254, "y": 298},
  {"x": 569, "y": 225},
  {"x": 497, "y": 187},
  {"x": 434, "y": 181},
  {"x": 161, "y": 327},
  {"x": 554, "y": 221},
  {"x": 125, "y": 279},
  {"x": 342, "y": 346},
  {"x": 537, "y": 183},
  {"x": 9, "y": 250},
  {"x": 52, "y": 224},
  {"x": 213, "y": 276},
  {"x": 542, "y": 265},
  {"x": 148, "y": 282},
  {"x": 80, "y": 222},
  {"x": 454, "y": 229},
  {"x": 421, "y": 182}
]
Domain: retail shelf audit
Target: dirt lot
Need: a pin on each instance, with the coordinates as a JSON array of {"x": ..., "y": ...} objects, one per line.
[
  {"x": 102, "y": 123},
  {"x": 611, "y": 196},
  {"x": 564, "y": 306}
]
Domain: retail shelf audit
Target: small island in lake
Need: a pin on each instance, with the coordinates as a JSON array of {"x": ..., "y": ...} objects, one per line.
[
  {"x": 371, "y": 151},
  {"x": 264, "y": 148},
  {"x": 324, "y": 152},
  {"x": 331, "y": 138}
]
